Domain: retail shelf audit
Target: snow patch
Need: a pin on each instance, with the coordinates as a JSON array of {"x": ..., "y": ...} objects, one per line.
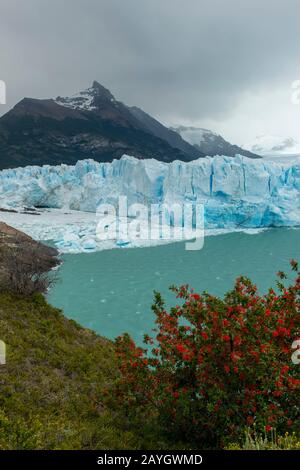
[{"x": 195, "y": 135}]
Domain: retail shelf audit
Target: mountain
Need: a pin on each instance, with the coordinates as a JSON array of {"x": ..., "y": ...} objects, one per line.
[
  {"x": 274, "y": 145},
  {"x": 169, "y": 135},
  {"x": 90, "y": 124},
  {"x": 211, "y": 143}
]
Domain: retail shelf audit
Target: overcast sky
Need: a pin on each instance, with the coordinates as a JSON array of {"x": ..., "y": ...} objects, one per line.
[{"x": 223, "y": 64}]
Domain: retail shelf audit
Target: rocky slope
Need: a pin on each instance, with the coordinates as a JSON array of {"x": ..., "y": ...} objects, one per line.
[{"x": 10, "y": 238}]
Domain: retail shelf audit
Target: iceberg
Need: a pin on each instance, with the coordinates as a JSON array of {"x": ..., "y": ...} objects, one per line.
[{"x": 237, "y": 193}]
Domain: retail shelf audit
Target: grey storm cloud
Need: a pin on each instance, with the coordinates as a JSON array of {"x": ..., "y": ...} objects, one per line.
[{"x": 179, "y": 59}]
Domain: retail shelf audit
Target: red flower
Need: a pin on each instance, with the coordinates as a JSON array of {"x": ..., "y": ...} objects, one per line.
[
  {"x": 186, "y": 357},
  {"x": 227, "y": 369},
  {"x": 235, "y": 357},
  {"x": 250, "y": 420},
  {"x": 268, "y": 428},
  {"x": 181, "y": 348},
  {"x": 264, "y": 348},
  {"x": 237, "y": 341},
  {"x": 195, "y": 296},
  {"x": 204, "y": 335},
  {"x": 284, "y": 370},
  {"x": 226, "y": 338}
]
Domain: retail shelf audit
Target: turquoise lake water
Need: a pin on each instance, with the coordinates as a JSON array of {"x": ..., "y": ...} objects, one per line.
[{"x": 112, "y": 291}]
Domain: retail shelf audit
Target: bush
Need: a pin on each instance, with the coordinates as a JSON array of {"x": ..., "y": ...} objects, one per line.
[
  {"x": 216, "y": 366},
  {"x": 267, "y": 441},
  {"x": 24, "y": 272}
]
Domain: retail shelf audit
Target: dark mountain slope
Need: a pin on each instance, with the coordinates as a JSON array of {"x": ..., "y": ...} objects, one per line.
[
  {"x": 91, "y": 124},
  {"x": 170, "y": 136}
]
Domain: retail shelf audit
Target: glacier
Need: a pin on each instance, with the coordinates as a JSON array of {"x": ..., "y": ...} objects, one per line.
[{"x": 237, "y": 193}]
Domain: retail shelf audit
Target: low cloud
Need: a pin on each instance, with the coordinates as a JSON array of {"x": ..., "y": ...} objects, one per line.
[{"x": 183, "y": 61}]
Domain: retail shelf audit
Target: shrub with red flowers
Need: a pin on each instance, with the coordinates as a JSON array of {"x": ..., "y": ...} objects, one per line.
[{"x": 217, "y": 366}]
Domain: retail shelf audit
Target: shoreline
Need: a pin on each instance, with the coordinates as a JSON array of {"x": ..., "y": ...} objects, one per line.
[{"x": 75, "y": 231}]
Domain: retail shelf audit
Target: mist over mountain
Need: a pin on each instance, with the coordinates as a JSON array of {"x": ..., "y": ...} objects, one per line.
[
  {"x": 210, "y": 143},
  {"x": 266, "y": 144}
]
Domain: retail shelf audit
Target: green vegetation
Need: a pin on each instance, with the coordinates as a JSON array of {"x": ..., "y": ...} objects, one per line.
[
  {"x": 64, "y": 387},
  {"x": 51, "y": 385},
  {"x": 267, "y": 442},
  {"x": 216, "y": 366}
]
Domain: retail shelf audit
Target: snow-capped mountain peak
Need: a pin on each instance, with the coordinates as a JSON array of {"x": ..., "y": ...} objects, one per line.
[{"x": 89, "y": 99}]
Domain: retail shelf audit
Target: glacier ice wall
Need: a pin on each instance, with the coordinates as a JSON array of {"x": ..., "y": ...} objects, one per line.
[{"x": 236, "y": 192}]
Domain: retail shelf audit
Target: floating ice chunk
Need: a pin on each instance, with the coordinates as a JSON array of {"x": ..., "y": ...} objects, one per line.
[{"x": 89, "y": 244}]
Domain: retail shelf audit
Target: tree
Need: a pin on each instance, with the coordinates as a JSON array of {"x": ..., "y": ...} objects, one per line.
[
  {"x": 217, "y": 366},
  {"x": 25, "y": 270}
]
